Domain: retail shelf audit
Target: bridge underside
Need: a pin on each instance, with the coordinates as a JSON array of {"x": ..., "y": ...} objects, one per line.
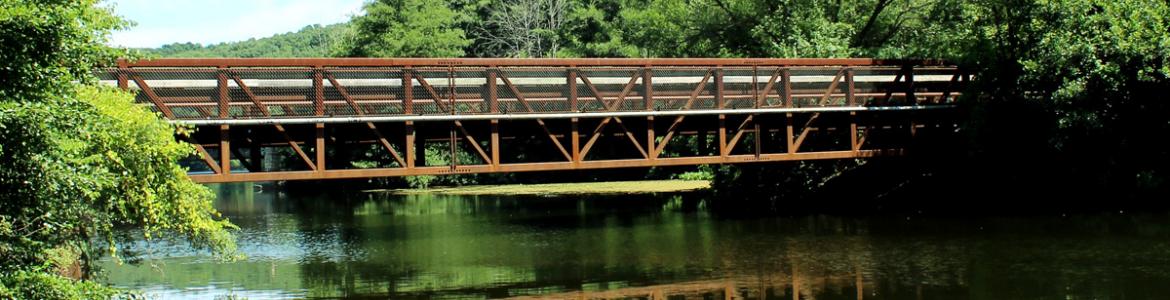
[{"x": 262, "y": 120}]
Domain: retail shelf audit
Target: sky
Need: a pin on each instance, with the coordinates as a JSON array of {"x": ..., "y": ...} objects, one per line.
[{"x": 161, "y": 22}]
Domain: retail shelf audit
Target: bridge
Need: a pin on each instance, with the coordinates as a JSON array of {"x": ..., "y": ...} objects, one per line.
[{"x": 303, "y": 119}]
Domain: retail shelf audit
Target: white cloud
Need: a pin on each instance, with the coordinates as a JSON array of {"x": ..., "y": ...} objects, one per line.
[{"x": 215, "y": 21}]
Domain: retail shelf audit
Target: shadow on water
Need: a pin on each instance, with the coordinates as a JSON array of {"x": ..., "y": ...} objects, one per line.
[{"x": 358, "y": 245}]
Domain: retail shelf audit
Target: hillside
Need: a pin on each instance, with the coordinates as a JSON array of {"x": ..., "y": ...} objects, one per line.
[{"x": 311, "y": 41}]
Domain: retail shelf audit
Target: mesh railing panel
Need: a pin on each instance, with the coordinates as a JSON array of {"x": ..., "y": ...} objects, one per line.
[{"x": 195, "y": 93}]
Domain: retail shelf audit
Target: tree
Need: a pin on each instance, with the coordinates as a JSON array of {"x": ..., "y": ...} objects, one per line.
[
  {"x": 527, "y": 28},
  {"x": 406, "y": 28},
  {"x": 82, "y": 163},
  {"x": 593, "y": 30}
]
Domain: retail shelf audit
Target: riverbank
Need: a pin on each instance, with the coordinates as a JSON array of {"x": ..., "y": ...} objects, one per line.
[{"x": 576, "y": 188}]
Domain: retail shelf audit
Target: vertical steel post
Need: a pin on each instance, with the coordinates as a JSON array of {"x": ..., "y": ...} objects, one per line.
[
  {"x": 648, "y": 97},
  {"x": 494, "y": 103},
  {"x": 451, "y": 107},
  {"x": 408, "y": 109},
  {"x": 225, "y": 152},
  {"x": 908, "y": 70},
  {"x": 786, "y": 93},
  {"x": 756, "y": 99},
  {"x": 225, "y": 156},
  {"x": 493, "y": 94},
  {"x": 722, "y": 118},
  {"x": 853, "y": 132},
  {"x": 910, "y": 96},
  {"x": 224, "y": 96},
  {"x": 572, "y": 85},
  {"x": 320, "y": 147},
  {"x": 786, "y": 89},
  {"x": 495, "y": 144},
  {"x": 850, "y": 97},
  {"x": 407, "y": 90},
  {"x": 319, "y": 100},
  {"x": 576, "y": 143},
  {"x": 790, "y": 133},
  {"x": 575, "y": 135},
  {"x": 123, "y": 82},
  {"x": 851, "y": 100},
  {"x": 318, "y": 92}
]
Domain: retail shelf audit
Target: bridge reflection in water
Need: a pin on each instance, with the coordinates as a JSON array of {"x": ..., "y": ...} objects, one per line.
[
  {"x": 734, "y": 288},
  {"x": 458, "y": 247},
  {"x": 289, "y": 119}
]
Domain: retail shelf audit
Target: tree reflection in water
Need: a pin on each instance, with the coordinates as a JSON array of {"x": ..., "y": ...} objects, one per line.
[{"x": 651, "y": 247}]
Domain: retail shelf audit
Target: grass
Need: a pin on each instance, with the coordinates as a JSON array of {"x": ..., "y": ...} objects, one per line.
[{"x": 578, "y": 188}]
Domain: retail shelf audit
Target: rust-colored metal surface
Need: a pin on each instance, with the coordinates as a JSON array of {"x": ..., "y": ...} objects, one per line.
[{"x": 295, "y": 119}]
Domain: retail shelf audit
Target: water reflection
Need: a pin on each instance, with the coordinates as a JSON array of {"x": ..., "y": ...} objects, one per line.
[{"x": 650, "y": 247}]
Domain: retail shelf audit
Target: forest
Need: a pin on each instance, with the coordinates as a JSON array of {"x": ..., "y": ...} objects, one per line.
[{"x": 1069, "y": 105}]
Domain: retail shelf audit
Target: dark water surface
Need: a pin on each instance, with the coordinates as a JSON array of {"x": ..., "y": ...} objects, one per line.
[{"x": 642, "y": 247}]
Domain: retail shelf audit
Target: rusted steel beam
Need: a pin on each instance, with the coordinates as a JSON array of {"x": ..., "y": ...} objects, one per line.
[
  {"x": 854, "y": 140},
  {"x": 203, "y": 154},
  {"x": 571, "y": 84},
  {"x": 225, "y": 153},
  {"x": 495, "y": 142},
  {"x": 575, "y": 140},
  {"x": 593, "y": 138},
  {"x": 409, "y": 132},
  {"x": 318, "y": 92},
  {"x": 578, "y": 62},
  {"x": 224, "y": 101},
  {"x": 320, "y": 148},
  {"x": 493, "y": 93},
  {"x": 617, "y": 103},
  {"x": 678, "y": 120},
  {"x": 359, "y": 111},
  {"x": 154, "y": 98},
  {"x": 474, "y": 144},
  {"x": 648, "y": 99},
  {"x": 630, "y": 135},
  {"x": 520, "y": 97},
  {"x": 121, "y": 75},
  {"x": 789, "y": 134},
  {"x": 279, "y": 128},
  {"x": 434, "y": 95},
  {"x": 738, "y": 134},
  {"x": 832, "y": 88},
  {"x": 596, "y": 94}
]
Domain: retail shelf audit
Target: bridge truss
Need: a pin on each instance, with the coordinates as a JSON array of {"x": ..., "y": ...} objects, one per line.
[{"x": 296, "y": 119}]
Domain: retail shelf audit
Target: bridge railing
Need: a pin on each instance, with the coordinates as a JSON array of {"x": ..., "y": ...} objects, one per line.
[{"x": 213, "y": 90}]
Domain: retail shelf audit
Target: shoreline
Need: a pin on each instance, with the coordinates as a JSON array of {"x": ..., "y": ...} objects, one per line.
[{"x": 578, "y": 188}]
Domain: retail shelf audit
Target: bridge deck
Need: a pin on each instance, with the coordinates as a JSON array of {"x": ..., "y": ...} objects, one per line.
[{"x": 399, "y": 105}]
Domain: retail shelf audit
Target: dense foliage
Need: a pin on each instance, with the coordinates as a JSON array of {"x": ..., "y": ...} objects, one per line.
[
  {"x": 84, "y": 167},
  {"x": 406, "y": 28}
]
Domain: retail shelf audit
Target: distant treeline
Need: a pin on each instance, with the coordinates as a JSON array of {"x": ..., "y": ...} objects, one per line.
[{"x": 311, "y": 41}]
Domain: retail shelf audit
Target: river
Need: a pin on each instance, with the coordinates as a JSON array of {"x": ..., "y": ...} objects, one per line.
[{"x": 646, "y": 247}]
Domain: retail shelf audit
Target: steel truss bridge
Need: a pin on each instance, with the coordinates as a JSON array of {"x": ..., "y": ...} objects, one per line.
[{"x": 297, "y": 119}]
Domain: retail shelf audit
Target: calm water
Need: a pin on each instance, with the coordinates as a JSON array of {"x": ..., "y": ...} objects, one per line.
[{"x": 642, "y": 247}]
